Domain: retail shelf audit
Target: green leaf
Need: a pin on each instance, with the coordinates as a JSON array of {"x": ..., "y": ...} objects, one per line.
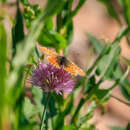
[
  {"x": 17, "y": 30},
  {"x": 65, "y": 110},
  {"x": 60, "y": 38},
  {"x": 117, "y": 73},
  {"x": 68, "y": 103},
  {"x": 125, "y": 84},
  {"x": 49, "y": 24},
  {"x": 80, "y": 82},
  {"x": 97, "y": 44},
  {"x": 54, "y": 7},
  {"x": 89, "y": 127},
  {"x": 89, "y": 114},
  {"x": 117, "y": 128},
  {"x": 69, "y": 32},
  {"x": 128, "y": 126},
  {"x": 123, "y": 31},
  {"x": 126, "y": 7},
  {"x": 52, "y": 39},
  {"x": 3, "y": 59},
  {"x": 81, "y": 103},
  {"x": 100, "y": 95},
  {"x": 69, "y": 127},
  {"x": 89, "y": 85},
  {"x": 127, "y": 61},
  {"x": 125, "y": 87},
  {"x": 3, "y": 55},
  {"x": 110, "y": 8},
  {"x": 52, "y": 107},
  {"x": 112, "y": 53},
  {"x": 4, "y": 1},
  {"x": 23, "y": 51},
  {"x": 25, "y": 2},
  {"x": 107, "y": 63},
  {"x": 79, "y": 5},
  {"x": 29, "y": 109},
  {"x": 67, "y": 20},
  {"x": 39, "y": 99},
  {"x": 59, "y": 100}
]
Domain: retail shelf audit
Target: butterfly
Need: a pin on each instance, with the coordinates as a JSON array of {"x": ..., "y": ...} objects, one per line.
[{"x": 61, "y": 61}]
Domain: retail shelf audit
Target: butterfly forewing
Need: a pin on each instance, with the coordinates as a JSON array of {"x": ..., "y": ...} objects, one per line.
[
  {"x": 53, "y": 61},
  {"x": 46, "y": 50}
]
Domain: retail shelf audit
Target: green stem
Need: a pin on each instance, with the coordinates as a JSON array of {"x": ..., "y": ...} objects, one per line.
[
  {"x": 96, "y": 61},
  {"x": 81, "y": 103},
  {"x": 26, "y": 75},
  {"x": 124, "y": 31},
  {"x": 58, "y": 22},
  {"x": 126, "y": 103},
  {"x": 78, "y": 109},
  {"x": 121, "y": 79},
  {"x": 125, "y": 74},
  {"x": 44, "y": 112}
]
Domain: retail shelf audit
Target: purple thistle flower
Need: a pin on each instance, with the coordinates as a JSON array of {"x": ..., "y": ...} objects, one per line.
[{"x": 50, "y": 78}]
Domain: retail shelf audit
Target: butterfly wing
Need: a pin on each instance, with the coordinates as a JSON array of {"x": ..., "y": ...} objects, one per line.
[
  {"x": 53, "y": 60},
  {"x": 46, "y": 50},
  {"x": 74, "y": 69}
]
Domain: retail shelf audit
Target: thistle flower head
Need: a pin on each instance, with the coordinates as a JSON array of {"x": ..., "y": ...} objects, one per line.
[{"x": 49, "y": 78}]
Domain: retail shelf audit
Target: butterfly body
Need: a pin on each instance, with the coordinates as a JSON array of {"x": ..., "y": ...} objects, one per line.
[{"x": 61, "y": 61}]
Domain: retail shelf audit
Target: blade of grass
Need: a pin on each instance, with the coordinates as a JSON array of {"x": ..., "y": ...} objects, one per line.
[{"x": 3, "y": 58}]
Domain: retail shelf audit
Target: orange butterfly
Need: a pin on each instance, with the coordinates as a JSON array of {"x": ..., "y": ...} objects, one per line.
[{"x": 61, "y": 61}]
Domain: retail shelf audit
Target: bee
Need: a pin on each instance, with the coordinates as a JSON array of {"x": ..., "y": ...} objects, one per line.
[{"x": 61, "y": 61}]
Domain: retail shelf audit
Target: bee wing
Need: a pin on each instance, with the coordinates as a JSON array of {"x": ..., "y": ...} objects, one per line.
[
  {"x": 74, "y": 69},
  {"x": 53, "y": 60},
  {"x": 46, "y": 50}
]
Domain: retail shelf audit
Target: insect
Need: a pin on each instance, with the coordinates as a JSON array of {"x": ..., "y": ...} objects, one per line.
[{"x": 61, "y": 61}]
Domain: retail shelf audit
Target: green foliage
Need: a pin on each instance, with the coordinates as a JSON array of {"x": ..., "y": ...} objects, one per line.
[
  {"x": 51, "y": 7},
  {"x": 127, "y": 61},
  {"x": 3, "y": 59},
  {"x": 117, "y": 128},
  {"x": 29, "y": 109},
  {"x": 69, "y": 127},
  {"x": 25, "y": 113},
  {"x": 3, "y": 69},
  {"x": 107, "y": 62},
  {"x": 3, "y": 1},
  {"x": 120, "y": 128},
  {"x": 97, "y": 44},
  {"x": 17, "y": 30},
  {"x": 126, "y": 8},
  {"x": 110, "y": 8},
  {"x": 88, "y": 116},
  {"x": 31, "y": 12}
]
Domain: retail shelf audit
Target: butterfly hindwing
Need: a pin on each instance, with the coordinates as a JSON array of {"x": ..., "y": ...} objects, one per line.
[{"x": 74, "y": 69}]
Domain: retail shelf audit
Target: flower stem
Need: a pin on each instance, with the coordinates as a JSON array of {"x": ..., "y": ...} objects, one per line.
[
  {"x": 44, "y": 112},
  {"x": 126, "y": 103}
]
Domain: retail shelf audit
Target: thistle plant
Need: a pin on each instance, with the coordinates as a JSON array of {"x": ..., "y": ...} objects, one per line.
[{"x": 49, "y": 79}]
